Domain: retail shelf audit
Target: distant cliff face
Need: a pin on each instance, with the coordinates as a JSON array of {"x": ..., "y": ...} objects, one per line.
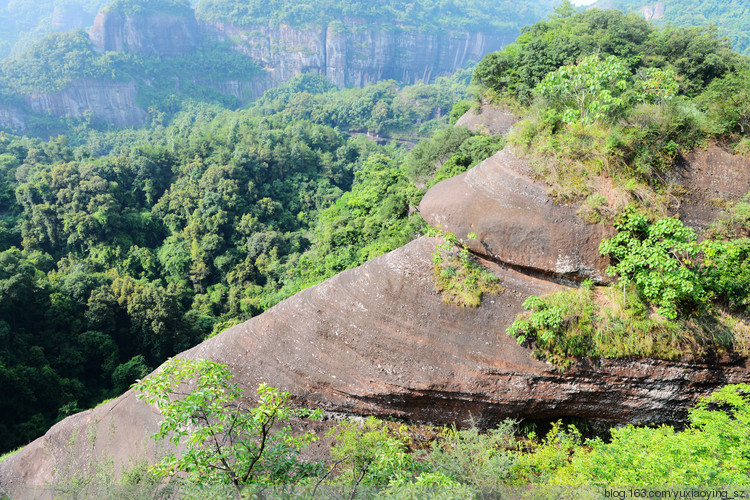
[
  {"x": 69, "y": 17},
  {"x": 654, "y": 12},
  {"x": 12, "y": 118},
  {"x": 352, "y": 53},
  {"x": 112, "y": 102},
  {"x": 154, "y": 34}
]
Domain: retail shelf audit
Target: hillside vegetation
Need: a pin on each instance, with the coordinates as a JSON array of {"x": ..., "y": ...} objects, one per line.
[
  {"x": 730, "y": 16},
  {"x": 609, "y": 97},
  {"x": 423, "y": 15},
  {"x": 120, "y": 249}
]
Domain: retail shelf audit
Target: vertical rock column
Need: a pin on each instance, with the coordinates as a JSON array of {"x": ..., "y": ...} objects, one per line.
[{"x": 336, "y": 51}]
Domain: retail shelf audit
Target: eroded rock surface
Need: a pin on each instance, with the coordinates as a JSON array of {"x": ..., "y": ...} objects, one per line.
[
  {"x": 379, "y": 340},
  {"x": 488, "y": 119},
  {"x": 12, "y": 118},
  {"x": 113, "y": 102},
  {"x": 515, "y": 221},
  {"x": 351, "y": 52},
  {"x": 711, "y": 177},
  {"x": 152, "y": 34}
]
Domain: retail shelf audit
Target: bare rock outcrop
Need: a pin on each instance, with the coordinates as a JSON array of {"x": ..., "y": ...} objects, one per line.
[
  {"x": 711, "y": 177},
  {"x": 112, "y": 102},
  {"x": 379, "y": 340},
  {"x": 488, "y": 119},
  {"x": 515, "y": 221},
  {"x": 151, "y": 34},
  {"x": 12, "y": 117},
  {"x": 353, "y": 53},
  {"x": 653, "y": 12}
]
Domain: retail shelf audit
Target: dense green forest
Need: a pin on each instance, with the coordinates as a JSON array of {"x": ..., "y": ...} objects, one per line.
[
  {"x": 120, "y": 249},
  {"x": 730, "y": 16},
  {"x": 424, "y": 15}
]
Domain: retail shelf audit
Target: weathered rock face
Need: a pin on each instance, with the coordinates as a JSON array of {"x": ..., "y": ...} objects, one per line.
[
  {"x": 653, "y": 12},
  {"x": 352, "y": 53},
  {"x": 244, "y": 90},
  {"x": 515, "y": 221},
  {"x": 379, "y": 340},
  {"x": 154, "y": 34},
  {"x": 113, "y": 102},
  {"x": 488, "y": 119},
  {"x": 711, "y": 177},
  {"x": 12, "y": 118}
]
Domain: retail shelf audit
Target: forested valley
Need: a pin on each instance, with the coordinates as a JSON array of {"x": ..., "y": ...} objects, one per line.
[{"x": 131, "y": 247}]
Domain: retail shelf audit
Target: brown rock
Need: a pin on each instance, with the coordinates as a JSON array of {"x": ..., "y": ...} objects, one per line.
[
  {"x": 489, "y": 119},
  {"x": 515, "y": 221},
  {"x": 379, "y": 340},
  {"x": 711, "y": 176}
]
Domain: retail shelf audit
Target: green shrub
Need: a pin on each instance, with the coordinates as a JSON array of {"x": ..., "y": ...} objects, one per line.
[
  {"x": 224, "y": 441},
  {"x": 372, "y": 453},
  {"x": 714, "y": 450},
  {"x": 459, "y": 109},
  {"x": 458, "y": 277},
  {"x": 481, "y": 460},
  {"x": 658, "y": 258}
]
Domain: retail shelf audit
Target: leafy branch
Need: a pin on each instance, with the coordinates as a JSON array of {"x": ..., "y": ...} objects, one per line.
[{"x": 224, "y": 441}]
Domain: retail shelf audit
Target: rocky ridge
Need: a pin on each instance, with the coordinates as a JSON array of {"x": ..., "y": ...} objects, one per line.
[
  {"x": 379, "y": 340},
  {"x": 516, "y": 223}
]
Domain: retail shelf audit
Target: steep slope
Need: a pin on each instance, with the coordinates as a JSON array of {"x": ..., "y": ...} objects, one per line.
[
  {"x": 379, "y": 340},
  {"x": 515, "y": 221}
]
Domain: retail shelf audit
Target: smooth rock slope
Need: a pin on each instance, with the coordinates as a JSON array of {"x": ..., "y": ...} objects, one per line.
[
  {"x": 379, "y": 340},
  {"x": 515, "y": 221}
]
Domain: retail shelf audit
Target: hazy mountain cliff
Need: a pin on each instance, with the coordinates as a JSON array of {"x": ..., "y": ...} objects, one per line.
[{"x": 349, "y": 50}]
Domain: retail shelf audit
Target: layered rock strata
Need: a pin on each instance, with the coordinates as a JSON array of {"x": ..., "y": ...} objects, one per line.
[{"x": 515, "y": 221}]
